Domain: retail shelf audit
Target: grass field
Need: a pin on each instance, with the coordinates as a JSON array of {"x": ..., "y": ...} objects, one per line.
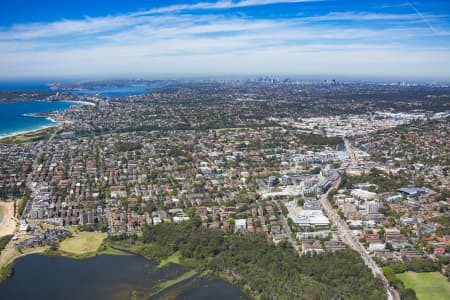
[
  {"x": 28, "y": 136},
  {"x": 83, "y": 243},
  {"x": 428, "y": 286},
  {"x": 173, "y": 259}
]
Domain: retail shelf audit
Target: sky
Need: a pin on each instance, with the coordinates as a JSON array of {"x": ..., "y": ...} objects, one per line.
[{"x": 166, "y": 38}]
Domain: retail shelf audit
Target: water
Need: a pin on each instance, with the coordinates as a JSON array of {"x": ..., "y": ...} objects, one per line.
[
  {"x": 104, "y": 277},
  {"x": 35, "y": 85},
  {"x": 129, "y": 90},
  {"x": 136, "y": 89},
  {"x": 201, "y": 289},
  {"x": 216, "y": 289},
  {"x": 13, "y": 119},
  {"x": 125, "y": 91}
]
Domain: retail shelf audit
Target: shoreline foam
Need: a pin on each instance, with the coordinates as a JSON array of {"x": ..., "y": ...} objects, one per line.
[
  {"x": 17, "y": 133},
  {"x": 82, "y": 102},
  {"x": 56, "y": 123}
]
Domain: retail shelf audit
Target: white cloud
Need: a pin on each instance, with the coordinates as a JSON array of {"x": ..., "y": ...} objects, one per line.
[
  {"x": 224, "y": 4},
  {"x": 163, "y": 41},
  {"x": 65, "y": 27},
  {"x": 363, "y": 16},
  {"x": 140, "y": 60}
]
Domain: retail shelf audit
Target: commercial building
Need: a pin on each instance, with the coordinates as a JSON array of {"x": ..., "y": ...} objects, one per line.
[
  {"x": 312, "y": 218},
  {"x": 411, "y": 191},
  {"x": 372, "y": 207},
  {"x": 240, "y": 225},
  {"x": 363, "y": 195}
]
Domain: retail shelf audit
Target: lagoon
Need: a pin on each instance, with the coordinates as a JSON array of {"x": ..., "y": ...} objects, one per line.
[{"x": 109, "y": 277}]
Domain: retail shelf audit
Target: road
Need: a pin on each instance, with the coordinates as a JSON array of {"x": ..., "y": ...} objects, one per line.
[
  {"x": 343, "y": 230},
  {"x": 29, "y": 181},
  {"x": 287, "y": 229},
  {"x": 346, "y": 235}
]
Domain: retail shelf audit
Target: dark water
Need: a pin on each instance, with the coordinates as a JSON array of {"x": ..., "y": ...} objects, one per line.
[
  {"x": 216, "y": 289},
  {"x": 104, "y": 277}
]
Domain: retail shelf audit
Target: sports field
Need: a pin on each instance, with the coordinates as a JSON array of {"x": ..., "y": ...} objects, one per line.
[
  {"x": 428, "y": 286},
  {"x": 83, "y": 242}
]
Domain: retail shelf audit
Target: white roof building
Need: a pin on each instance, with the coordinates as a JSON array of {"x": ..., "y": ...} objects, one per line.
[
  {"x": 376, "y": 246},
  {"x": 364, "y": 195},
  {"x": 240, "y": 225},
  {"x": 311, "y": 218},
  {"x": 180, "y": 218},
  {"x": 23, "y": 227}
]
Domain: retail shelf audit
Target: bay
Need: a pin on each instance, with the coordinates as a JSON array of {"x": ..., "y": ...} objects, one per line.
[
  {"x": 13, "y": 117},
  {"x": 13, "y": 85},
  {"x": 123, "y": 91},
  {"x": 112, "y": 91}
]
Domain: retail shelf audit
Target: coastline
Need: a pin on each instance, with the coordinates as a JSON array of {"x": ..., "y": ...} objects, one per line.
[
  {"x": 48, "y": 118},
  {"x": 82, "y": 102},
  {"x": 32, "y": 131},
  {"x": 10, "y": 254},
  {"x": 35, "y": 130}
]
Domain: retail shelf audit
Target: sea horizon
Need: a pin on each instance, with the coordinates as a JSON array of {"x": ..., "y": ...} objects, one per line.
[{"x": 12, "y": 85}]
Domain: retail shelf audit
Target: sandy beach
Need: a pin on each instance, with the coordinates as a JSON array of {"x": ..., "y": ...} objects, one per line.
[
  {"x": 8, "y": 224},
  {"x": 49, "y": 118},
  {"x": 15, "y": 134},
  {"x": 83, "y": 102}
]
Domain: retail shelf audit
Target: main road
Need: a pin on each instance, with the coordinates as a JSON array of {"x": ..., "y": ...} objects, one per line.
[
  {"x": 29, "y": 181},
  {"x": 343, "y": 230},
  {"x": 286, "y": 228},
  {"x": 346, "y": 235}
]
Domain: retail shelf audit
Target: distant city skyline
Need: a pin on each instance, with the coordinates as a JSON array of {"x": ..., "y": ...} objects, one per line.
[{"x": 379, "y": 39}]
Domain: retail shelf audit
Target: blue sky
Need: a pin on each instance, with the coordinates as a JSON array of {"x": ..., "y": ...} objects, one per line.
[{"x": 138, "y": 38}]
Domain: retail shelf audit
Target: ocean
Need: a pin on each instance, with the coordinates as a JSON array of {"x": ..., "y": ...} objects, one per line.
[
  {"x": 35, "y": 85},
  {"x": 12, "y": 115},
  {"x": 13, "y": 119}
]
